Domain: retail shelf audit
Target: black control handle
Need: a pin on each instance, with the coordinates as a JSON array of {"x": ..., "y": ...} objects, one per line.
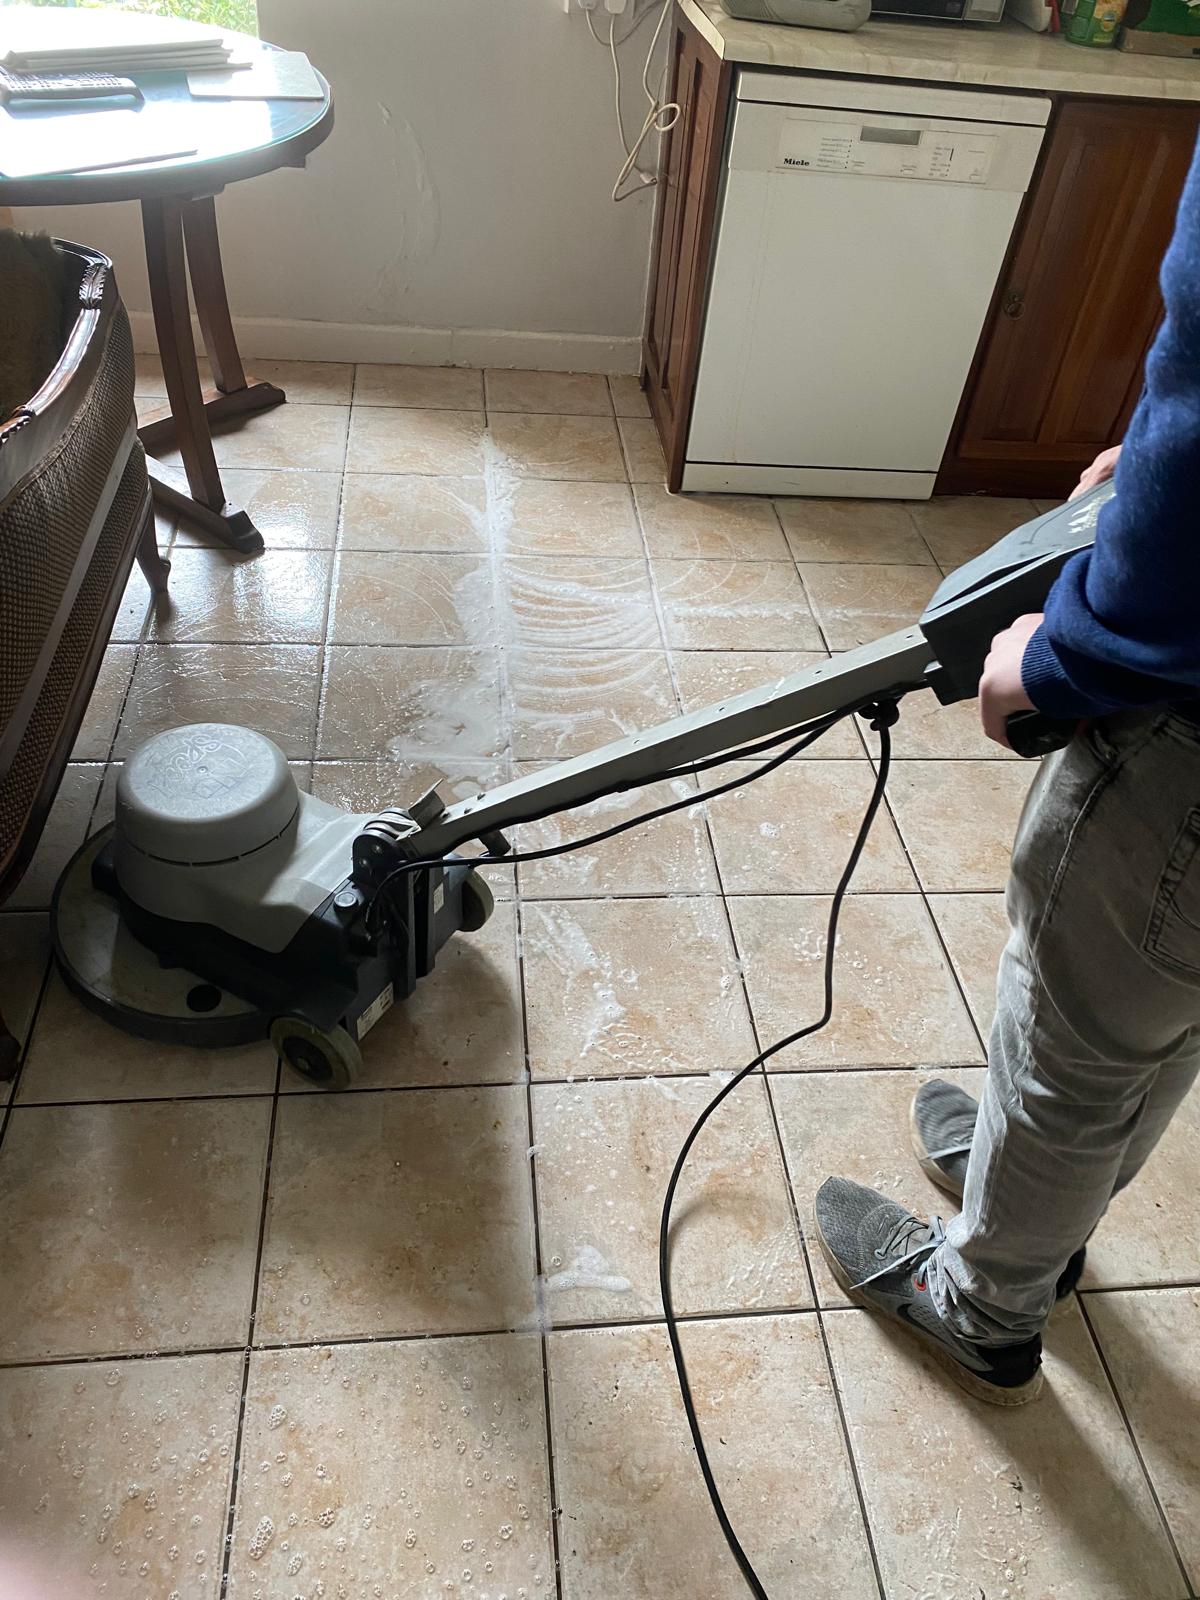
[{"x": 1032, "y": 733}]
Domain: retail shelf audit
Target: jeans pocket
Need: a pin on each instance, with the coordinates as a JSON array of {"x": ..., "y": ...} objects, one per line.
[{"x": 1172, "y": 938}]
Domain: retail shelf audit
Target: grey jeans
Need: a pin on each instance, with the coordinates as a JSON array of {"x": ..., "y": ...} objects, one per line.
[{"x": 1096, "y": 1038}]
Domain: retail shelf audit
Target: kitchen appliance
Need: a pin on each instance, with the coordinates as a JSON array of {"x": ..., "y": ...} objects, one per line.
[
  {"x": 861, "y": 230},
  {"x": 840, "y": 14},
  {"x": 941, "y": 10}
]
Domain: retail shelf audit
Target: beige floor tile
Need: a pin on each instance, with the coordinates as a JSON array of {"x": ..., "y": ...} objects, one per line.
[
  {"x": 734, "y": 605},
  {"x": 579, "y": 603},
  {"x": 975, "y": 928},
  {"x": 565, "y": 704},
  {"x": 928, "y": 730},
  {"x": 130, "y": 620},
  {"x": 398, "y": 1213},
  {"x": 117, "y": 1475},
  {"x": 417, "y": 704},
  {"x": 856, "y": 1126},
  {"x": 148, "y": 375},
  {"x": 895, "y": 1000},
  {"x": 269, "y": 687},
  {"x": 670, "y": 856},
  {"x": 406, "y": 598},
  {"x": 391, "y": 439},
  {"x": 292, "y": 510},
  {"x": 307, "y": 382},
  {"x": 24, "y": 957},
  {"x": 966, "y": 1498},
  {"x": 220, "y": 597},
  {"x": 64, "y": 832},
  {"x": 1151, "y": 1342},
  {"x": 1151, "y": 1232},
  {"x": 394, "y": 512},
  {"x": 643, "y": 453},
  {"x": 129, "y": 1227},
  {"x": 628, "y": 396},
  {"x": 790, "y": 831},
  {"x": 1042, "y": 506},
  {"x": 706, "y": 677},
  {"x": 425, "y": 388},
  {"x": 538, "y": 517},
  {"x": 585, "y": 449},
  {"x": 417, "y": 1469},
  {"x": 957, "y": 527},
  {"x": 75, "y": 1055},
  {"x": 704, "y": 526},
  {"x": 859, "y": 604},
  {"x": 95, "y": 736},
  {"x": 461, "y": 1025},
  {"x": 615, "y": 987},
  {"x": 958, "y": 819},
  {"x": 874, "y": 531},
  {"x": 565, "y": 393},
  {"x": 306, "y": 438},
  {"x": 604, "y": 1154},
  {"x": 636, "y": 1520}
]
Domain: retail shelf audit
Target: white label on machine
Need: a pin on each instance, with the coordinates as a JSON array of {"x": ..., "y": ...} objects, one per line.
[
  {"x": 932, "y": 154},
  {"x": 368, "y": 1018},
  {"x": 439, "y": 897}
]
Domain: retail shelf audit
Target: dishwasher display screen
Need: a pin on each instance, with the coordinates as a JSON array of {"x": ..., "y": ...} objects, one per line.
[{"x": 883, "y": 151}]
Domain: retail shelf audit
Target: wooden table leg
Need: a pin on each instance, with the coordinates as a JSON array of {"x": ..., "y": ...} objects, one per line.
[{"x": 162, "y": 227}]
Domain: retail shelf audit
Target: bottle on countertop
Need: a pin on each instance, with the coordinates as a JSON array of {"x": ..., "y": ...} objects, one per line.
[{"x": 1093, "y": 22}]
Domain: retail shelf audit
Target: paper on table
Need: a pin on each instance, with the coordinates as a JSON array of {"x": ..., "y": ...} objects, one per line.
[
  {"x": 40, "y": 144},
  {"x": 273, "y": 75}
]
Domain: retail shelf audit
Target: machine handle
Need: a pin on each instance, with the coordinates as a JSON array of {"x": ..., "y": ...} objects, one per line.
[
  {"x": 1013, "y": 304},
  {"x": 1032, "y": 733}
]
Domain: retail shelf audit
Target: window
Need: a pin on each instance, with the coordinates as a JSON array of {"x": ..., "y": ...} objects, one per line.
[{"x": 239, "y": 15}]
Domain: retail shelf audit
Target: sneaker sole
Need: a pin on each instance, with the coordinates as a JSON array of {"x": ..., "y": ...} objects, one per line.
[
  {"x": 1021, "y": 1395},
  {"x": 928, "y": 1166}
]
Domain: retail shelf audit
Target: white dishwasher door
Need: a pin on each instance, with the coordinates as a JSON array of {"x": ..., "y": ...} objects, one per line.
[{"x": 856, "y": 257}]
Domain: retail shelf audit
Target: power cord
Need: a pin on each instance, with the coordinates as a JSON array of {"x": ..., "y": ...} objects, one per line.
[
  {"x": 884, "y": 716},
  {"x": 881, "y": 713},
  {"x": 662, "y": 115}
]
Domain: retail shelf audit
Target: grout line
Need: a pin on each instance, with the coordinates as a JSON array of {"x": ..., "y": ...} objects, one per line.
[
  {"x": 1137, "y": 1449},
  {"x": 256, "y": 1283}
]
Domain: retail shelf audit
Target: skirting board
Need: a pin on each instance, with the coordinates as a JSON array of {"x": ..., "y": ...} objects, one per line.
[
  {"x": 292, "y": 339},
  {"x": 826, "y": 482}
]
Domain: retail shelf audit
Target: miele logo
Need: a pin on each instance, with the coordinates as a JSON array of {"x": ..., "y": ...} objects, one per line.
[{"x": 796, "y": 161}]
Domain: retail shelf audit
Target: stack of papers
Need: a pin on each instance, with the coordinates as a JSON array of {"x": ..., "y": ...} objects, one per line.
[{"x": 49, "y": 40}]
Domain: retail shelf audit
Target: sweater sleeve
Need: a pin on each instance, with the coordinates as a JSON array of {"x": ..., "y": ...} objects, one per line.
[{"x": 1122, "y": 621}]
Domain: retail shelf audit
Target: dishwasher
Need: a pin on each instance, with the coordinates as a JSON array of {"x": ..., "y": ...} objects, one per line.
[{"x": 861, "y": 229}]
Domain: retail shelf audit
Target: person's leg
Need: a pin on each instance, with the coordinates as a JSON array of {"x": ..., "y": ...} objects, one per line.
[{"x": 1097, "y": 1032}]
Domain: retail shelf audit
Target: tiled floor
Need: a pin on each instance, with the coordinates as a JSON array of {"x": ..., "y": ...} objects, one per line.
[{"x": 407, "y": 1341}]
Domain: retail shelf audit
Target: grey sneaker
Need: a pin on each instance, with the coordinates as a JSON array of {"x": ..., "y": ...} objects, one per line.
[
  {"x": 941, "y": 1122},
  {"x": 878, "y": 1251}
]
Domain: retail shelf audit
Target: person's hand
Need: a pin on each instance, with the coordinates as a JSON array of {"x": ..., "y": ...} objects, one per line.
[
  {"x": 1100, "y": 471},
  {"x": 1001, "y": 691}
]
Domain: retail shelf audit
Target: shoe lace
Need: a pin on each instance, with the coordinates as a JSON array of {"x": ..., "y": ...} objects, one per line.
[{"x": 910, "y": 1237}]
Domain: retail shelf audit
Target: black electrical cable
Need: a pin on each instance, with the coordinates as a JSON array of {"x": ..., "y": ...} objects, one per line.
[
  {"x": 810, "y": 732},
  {"x": 881, "y": 711},
  {"x": 885, "y": 716}
]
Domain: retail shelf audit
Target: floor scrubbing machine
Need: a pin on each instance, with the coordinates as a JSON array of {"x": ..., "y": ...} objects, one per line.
[{"x": 223, "y": 905}]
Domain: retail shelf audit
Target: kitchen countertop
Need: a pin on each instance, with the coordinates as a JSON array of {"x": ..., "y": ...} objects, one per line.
[{"x": 1002, "y": 55}]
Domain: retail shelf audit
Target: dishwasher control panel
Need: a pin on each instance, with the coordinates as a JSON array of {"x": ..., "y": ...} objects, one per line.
[{"x": 879, "y": 148}]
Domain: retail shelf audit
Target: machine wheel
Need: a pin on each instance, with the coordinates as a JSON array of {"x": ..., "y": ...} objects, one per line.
[
  {"x": 329, "y": 1060},
  {"x": 478, "y": 902}
]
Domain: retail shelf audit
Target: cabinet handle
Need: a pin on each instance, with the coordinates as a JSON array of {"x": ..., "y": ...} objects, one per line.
[{"x": 1013, "y": 304}]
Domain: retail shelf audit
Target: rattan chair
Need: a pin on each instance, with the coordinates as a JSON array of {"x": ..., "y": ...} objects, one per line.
[{"x": 75, "y": 512}]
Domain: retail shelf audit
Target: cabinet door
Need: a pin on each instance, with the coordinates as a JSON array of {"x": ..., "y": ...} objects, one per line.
[
  {"x": 1059, "y": 367},
  {"x": 689, "y": 177}
]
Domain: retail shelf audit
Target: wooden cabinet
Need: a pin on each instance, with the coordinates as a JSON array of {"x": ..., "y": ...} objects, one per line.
[
  {"x": 690, "y": 178},
  {"x": 1059, "y": 366}
]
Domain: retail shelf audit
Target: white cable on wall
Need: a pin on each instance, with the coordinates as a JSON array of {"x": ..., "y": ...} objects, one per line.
[{"x": 662, "y": 115}]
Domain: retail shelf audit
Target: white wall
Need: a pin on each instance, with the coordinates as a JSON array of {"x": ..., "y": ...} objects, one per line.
[{"x": 460, "y": 209}]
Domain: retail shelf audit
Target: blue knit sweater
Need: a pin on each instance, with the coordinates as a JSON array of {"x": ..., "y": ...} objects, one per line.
[{"x": 1122, "y": 623}]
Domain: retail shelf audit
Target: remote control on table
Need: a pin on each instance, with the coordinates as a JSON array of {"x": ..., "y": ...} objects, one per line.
[{"x": 37, "y": 87}]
